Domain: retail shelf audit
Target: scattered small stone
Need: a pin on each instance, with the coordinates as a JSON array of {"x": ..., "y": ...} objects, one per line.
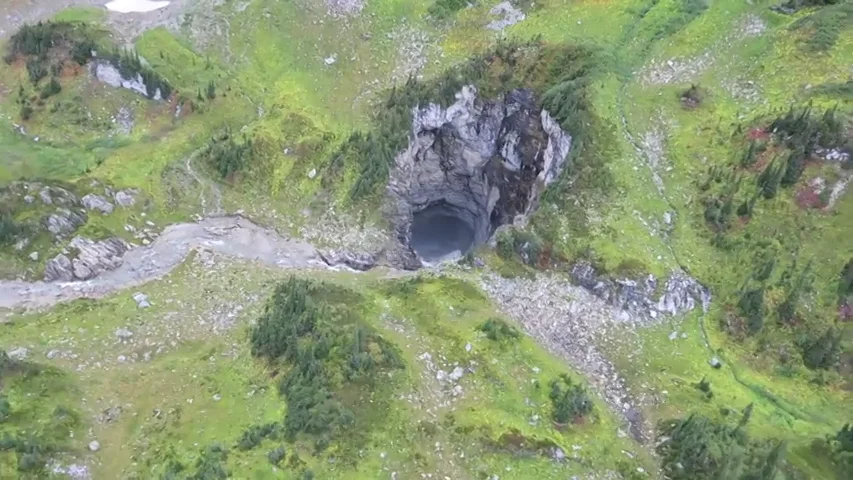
[
  {"x": 456, "y": 374},
  {"x": 34, "y": 256},
  {"x": 94, "y": 446},
  {"x": 124, "y": 334},
  {"x": 715, "y": 362},
  {"x": 141, "y": 300},
  {"x": 312, "y": 173},
  {"x": 330, "y": 60},
  {"x": 468, "y": 347},
  {"x": 217, "y": 397}
]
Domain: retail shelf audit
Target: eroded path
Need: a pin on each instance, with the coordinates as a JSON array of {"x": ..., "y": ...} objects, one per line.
[{"x": 232, "y": 235}]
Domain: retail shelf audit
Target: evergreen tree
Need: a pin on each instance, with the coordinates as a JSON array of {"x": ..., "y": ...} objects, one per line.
[
  {"x": 823, "y": 352},
  {"x": 211, "y": 90},
  {"x": 796, "y": 164},
  {"x": 747, "y": 414},
  {"x": 52, "y": 88},
  {"x": 768, "y": 181},
  {"x": 750, "y": 156},
  {"x": 771, "y": 463},
  {"x": 787, "y": 309},
  {"x": 845, "y": 282},
  {"x": 751, "y": 305}
]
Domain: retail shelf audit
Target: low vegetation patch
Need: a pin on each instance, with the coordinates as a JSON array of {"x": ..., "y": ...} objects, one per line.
[
  {"x": 443, "y": 9},
  {"x": 497, "y": 330},
  {"x": 34, "y": 422},
  {"x": 698, "y": 447},
  {"x": 313, "y": 331},
  {"x": 226, "y": 155}
]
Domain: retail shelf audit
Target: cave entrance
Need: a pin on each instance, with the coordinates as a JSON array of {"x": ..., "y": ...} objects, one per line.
[{"x": 440, "y": 233}]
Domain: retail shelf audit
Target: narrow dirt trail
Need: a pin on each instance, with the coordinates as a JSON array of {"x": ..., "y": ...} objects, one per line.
[{"x": 231, "y": 235}]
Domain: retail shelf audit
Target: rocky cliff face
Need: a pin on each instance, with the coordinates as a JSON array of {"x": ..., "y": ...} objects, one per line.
[
  {"x": 642, "y": 299},
  {"x": 468, "y": 169}
]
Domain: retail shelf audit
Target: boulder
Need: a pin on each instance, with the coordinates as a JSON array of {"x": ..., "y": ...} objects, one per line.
[
  {"x": 59, "y": 268},
  {"x": 97, "y": 202},
  {"x": 18, "y": 354},
  {"x": 64, "y": 221},
  {"x": 125, "y": 198},
  {"x": 141, "y": 300}
]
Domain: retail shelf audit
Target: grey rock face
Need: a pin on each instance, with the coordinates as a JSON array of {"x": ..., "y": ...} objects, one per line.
[
  {"x": 680, "y": 292},
  {"x": 97, "y": 202},
  {"x": 64, "y": 221},
  {"x": 481, "y": 162},
  {"x": 125, "y": 198},
  {"x": 110, "y": 75},
  {"x": 91, "y": 258}
]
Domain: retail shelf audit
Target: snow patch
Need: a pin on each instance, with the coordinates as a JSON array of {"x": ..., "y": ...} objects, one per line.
[{"x": 136, "y": 6}]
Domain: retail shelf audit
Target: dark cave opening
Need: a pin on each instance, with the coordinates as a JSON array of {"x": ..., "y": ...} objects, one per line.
[{"x": 439, "y": 233}]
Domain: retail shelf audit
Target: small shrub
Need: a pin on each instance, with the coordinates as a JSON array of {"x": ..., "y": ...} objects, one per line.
[
  {"x": 443, "y": 9},
  {"x": 692, "y": 97},
  {"x": 9, "y": 230},
  {"x": 704, "y": 386},
  {"x": 498, "y": 330},
  {"x": 51, "y": 89},
  {"x": 5, "y": 408},
  {"x": 256, "y": 434},
  {"x": 570, "y": 401},
  {"x": 276, "y": 456},
  {"x": 515, "y": 244},
  {"x": 210, "y": 465},
  {"x": 36, "y": 69}
]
